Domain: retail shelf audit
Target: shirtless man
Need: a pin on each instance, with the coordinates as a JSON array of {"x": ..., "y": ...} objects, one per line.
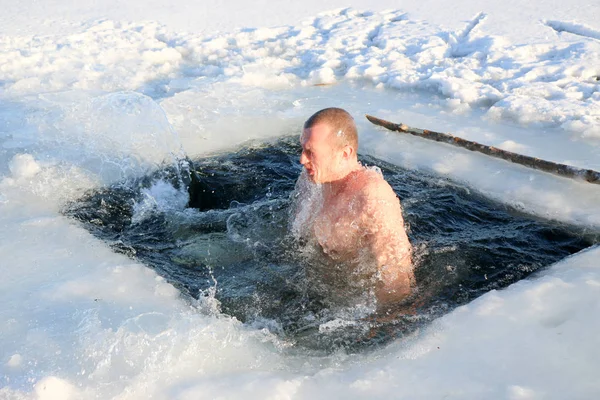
[{"x": 360, "y": 213}]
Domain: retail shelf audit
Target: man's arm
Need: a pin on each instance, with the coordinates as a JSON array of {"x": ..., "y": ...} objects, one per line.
[{"x": 388, "y": 241}]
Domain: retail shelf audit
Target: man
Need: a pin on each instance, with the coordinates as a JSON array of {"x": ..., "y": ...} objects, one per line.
[{"x": 356, "y": 217}]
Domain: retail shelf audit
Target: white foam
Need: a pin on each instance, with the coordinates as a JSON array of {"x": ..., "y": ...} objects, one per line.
[
  {"x": 52, "y": 387},
  {"x": 23, "y": 166},
  {"x": 15, "y": 361},
  {"x": 161, "y": 197}
]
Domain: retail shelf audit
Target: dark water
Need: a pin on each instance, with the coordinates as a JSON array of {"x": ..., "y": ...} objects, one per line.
[{"x": 232, "y": 237}]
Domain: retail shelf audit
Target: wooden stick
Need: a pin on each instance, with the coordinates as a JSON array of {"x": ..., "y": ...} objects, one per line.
[{"x": 567, "y": 171}]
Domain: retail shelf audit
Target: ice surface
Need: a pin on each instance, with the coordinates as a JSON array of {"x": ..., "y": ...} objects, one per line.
[{"x": 93, "y": 94}]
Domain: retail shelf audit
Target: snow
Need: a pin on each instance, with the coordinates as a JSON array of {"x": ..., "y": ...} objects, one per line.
[
  {"x": 96, "y": 93},
  {"x": 541, "y": 84}
]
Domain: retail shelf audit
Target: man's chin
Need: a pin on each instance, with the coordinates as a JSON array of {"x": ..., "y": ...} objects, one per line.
[
  {"x": 314, "y": 179},
  {"x": 311, "y": 176}
]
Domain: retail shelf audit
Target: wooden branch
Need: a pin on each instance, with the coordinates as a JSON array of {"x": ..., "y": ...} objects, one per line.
[{"x": 567, "y": 171}]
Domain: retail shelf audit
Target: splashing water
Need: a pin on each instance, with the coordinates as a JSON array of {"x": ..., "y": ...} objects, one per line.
[{"x": 227, "y": 238}]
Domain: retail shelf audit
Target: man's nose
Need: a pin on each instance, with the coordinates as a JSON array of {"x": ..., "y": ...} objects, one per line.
[{"x": 303, "y": 158}]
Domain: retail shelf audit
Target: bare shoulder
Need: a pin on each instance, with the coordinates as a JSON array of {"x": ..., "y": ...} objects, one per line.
[{"x": 373, "y": 187}]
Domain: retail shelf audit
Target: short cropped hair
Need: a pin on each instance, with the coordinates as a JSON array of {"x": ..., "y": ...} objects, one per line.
[{"x": 341, "y": 122}]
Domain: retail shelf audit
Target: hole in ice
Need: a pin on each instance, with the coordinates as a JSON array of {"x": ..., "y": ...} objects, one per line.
[{"x": 230, "y": 235}]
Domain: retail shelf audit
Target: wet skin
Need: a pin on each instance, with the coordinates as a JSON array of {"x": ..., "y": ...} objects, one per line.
[{"x": 360, "y": 219}]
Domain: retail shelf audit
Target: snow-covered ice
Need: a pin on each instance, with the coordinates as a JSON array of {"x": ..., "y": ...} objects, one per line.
[{"x": 93, "y": 94}]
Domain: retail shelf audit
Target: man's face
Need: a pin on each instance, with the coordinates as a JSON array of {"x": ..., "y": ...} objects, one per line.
[{"x": 320, "y": 157}]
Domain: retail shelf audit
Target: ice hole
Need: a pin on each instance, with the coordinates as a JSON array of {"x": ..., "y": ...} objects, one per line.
[{"x": 231, "y": 241}]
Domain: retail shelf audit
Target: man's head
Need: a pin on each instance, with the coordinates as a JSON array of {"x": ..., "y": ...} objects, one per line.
[{"x": 329, "y": 144}]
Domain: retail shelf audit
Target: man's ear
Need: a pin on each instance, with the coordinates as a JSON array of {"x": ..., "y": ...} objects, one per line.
[{"x": 348, "y": 151}]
